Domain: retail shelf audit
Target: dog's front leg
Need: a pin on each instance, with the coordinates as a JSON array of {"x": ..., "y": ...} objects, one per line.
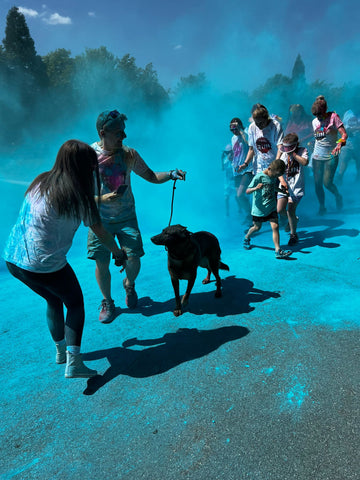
[
  {"x": 185, "y": 298},
  {"x": 176, "y": 287}
]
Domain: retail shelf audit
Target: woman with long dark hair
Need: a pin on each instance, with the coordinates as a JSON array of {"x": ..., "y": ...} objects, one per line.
[{"x": 55, "y": 204}]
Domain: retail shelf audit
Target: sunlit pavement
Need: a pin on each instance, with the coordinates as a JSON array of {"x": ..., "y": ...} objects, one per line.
[{"x": 260, "y": 384}]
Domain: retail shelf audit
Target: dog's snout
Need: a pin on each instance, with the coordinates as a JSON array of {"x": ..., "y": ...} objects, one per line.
[{"x": 157, "y": 239}]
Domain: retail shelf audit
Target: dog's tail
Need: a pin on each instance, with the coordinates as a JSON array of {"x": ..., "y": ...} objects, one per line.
[{"x": 223, "y": 266}]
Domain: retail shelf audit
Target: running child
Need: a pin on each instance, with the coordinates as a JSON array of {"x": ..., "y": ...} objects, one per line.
[
  {"x": 264, "y": 188},
  {"x": 295, "y": 158}
]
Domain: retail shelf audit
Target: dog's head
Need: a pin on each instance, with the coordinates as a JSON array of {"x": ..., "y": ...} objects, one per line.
[{"x": 173, "y": 235}]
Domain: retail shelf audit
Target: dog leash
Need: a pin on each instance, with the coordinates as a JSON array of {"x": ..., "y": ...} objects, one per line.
[{"x": 172, "y": 203}]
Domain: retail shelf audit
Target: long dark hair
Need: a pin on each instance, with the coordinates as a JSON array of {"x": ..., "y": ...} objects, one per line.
[{"x": 69, "y": 186}]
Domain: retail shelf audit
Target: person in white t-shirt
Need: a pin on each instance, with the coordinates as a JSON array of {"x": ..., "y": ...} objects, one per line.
[
  {"x": 242, "y": 177},
  {"x": 55, "y": 204},
  {"x": 352, "y": 152},
  {"x": 264, "y": 136},
  {"x": 325, "y": 158},
  {"x": 295, "y": 158}
]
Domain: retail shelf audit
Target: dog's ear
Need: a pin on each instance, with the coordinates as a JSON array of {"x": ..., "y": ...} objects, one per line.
[
  {"x": 183, "y": 231},
  {"x": 178, "y": 227}
]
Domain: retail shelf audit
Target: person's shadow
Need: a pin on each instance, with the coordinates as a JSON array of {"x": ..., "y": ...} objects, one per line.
[
  {"x": 161, "y": 355},
  {"x": 309, "y": 239},
  {"x": 237, "y": 295}
]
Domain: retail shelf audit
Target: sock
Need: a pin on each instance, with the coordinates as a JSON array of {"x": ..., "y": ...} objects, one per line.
[{"x": 74, "y": 349}]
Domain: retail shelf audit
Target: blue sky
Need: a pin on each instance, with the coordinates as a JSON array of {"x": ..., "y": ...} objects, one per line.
[{"x": 237, "y": 44}]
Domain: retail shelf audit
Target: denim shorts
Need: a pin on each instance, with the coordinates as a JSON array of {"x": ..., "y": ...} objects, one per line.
[{"x": 128, "y": 235}]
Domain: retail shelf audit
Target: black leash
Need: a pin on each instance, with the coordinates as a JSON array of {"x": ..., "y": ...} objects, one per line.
[{"x": 172, "y": 203}]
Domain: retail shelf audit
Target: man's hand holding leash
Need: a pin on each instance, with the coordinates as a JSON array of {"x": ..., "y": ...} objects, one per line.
[{"x": 177, "y": 174}]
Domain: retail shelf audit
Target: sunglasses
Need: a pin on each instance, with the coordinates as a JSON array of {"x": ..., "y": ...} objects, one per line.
[{"x": 111, "y": 115}]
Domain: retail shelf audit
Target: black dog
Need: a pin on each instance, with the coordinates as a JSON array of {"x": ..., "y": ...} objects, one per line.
[{"x": 186, "y": 252}]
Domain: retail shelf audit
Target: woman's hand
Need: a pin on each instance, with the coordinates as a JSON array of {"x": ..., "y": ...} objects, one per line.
[{"x": 337, "y": 149}]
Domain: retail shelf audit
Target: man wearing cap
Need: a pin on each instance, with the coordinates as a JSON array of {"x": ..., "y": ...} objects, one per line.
[{"x": 117, "y": 207}]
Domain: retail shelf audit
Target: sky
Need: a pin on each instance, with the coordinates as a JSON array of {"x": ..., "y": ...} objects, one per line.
[{"x": 238, "y": 45}]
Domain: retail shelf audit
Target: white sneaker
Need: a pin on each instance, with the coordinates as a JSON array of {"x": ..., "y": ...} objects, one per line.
[
  {"x": 60, "y": 352},
  {"x": 75, "y": 367}
]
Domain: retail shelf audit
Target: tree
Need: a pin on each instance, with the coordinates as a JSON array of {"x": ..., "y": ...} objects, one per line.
[
  {"x": 96, "y": 77},
  {"x": 60, "y": 68},
  {"x": 153, "y": 93},
  {"x": 128, "y": 68},
  {"x": 298, "y": 71},
  {"x": 19, "y": 46},
  {"x": 21, "y": 56},
  {"x": 191, "y": 83}
]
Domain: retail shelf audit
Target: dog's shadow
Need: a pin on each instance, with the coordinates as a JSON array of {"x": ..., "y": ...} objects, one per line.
[
  {"x": 161, "y": 354},
  {"x": 237, "y": 295}
]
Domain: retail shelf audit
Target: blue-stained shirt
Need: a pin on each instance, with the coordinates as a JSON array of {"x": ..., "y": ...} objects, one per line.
[
  {"x": 40, "y": 238},
  {"x": 264, "y": 199}
]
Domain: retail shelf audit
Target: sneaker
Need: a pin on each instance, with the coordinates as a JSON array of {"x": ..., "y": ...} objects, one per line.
[
  {"x": 60, "y": 352},
  {"x": 283, "y": 253},
  {"x": 293, "y": 240},
  {"x": 107, "y": 311},
  {"x": 131, "y": 296},
  {"x": 246, "y": 243},
  {"x": 75, "y": 367}
]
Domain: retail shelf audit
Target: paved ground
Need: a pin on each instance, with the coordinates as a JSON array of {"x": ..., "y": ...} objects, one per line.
[{"x": 262, "y": 384}]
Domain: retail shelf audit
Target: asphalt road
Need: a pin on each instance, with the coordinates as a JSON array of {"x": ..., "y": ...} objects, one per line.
[{"x": 262, "y": 384}]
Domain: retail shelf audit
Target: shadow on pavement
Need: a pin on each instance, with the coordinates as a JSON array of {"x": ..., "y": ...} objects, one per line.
[
  {"x": 319, "y": 238},
  {"x": 161, "y": 355},
  {"x": 238, "y": 293}
]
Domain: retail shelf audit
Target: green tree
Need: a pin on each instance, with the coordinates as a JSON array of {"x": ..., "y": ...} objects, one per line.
[
  {"x": 60, "y": 68},
  {"x": 19, "y": 46},
  {"x": 153, "y": 93},
  {"x": 191, "y": 84},
  {"x": 96, "y": 80},
  {"x": 298, "y": 71},
  {"x": 275, "y": 94},
  {"x": 20, "y": 49},
  {"x": 128, "y": 68}
]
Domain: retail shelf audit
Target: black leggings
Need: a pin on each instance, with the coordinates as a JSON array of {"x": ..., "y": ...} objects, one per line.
[{"x": 58, "y": 289}]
